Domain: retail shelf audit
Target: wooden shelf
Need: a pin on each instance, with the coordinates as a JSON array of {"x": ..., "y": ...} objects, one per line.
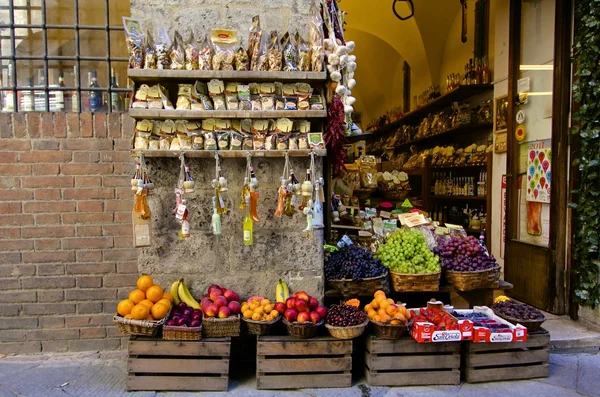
[
  {"x": 333, "y": 226},
  {"x": 448, "y": 133},
  {"x": 461, "y": 93},
  {"x": 156, "y": 75},
  {"x": 467, "y": 198},
  {"x": 227, "y": 153},
  {"x": 451, "y": 167},
  {"x": 360, "y": 137},
  {"x": 163, "y": 114}
]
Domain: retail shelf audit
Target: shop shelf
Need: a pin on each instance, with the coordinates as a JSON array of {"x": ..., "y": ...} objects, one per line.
[
  {"x": 163, "y": 114},
  {"x": 460, "y": 130},
  {"x": 361, "y": 137},
  {"x": 469, "y": 198},
  {"x": 450, "y": 167},
  {"x": 228, "y": 153},
  {"x": 333, "y": 226},
  {"x": 155, "y": 75}
]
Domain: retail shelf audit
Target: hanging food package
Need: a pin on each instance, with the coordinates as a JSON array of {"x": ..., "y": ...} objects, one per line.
[
  {"x": 200, "y": 98},
  {"x": 274, "y": 53},
  {"x": 242, "y": 62},
  {"x": 134, "y": 37},
  {"x": 161, "y": 48},
  {"x": 149, "y": 53},
  {"x": 303, "y": 54},
  {"x": 184, "y": 97},
  {"x": 191, "y": 52},
  {"x": 317, "y": 50},
  {"x": 254, "y": 41},
  {"x": 205, "y": 55},
  {"x": 224, "y": 42},
  {"x": 177, "y": 53},
  {"x": 141, "y": 219},
  {"x": 290, "y": 56},
  {"x": 368, "y": 172}
]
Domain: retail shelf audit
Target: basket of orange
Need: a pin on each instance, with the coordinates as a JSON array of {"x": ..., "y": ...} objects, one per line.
[
  {"x": 146, "y": 309},
  {"x": 389, "y": 319},
  {"x": 260, "y": 315}
]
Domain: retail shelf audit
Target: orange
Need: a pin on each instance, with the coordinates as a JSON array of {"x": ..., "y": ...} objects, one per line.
[
  {"x": 390, "y": 310},
  {"x": 274, "y": 313},
  {"x": 390, "y": 301},
  {"x": 395, "y": 322},
  {"x": 399, "y": 316},
  {"x": 384, "y": 318},
  {"x": 150, "y": 317},
  {"x": 268, "y": 318},
  {"x": 381, "y": 311},
  {"x": 368, "y": 308},
  {"x": 377, "y": 319},
  {"x": 375, "y": 304},
  {"x": 248, "y": 313},
  {"x": 372, "y": 313},
  {"x": 136, "y": 296},
  {"x": 147, "y": 303},
  {"x": 259, "y": 310},
  {"x": 154, "y": 293},
  {"x": 384, "y": 304},
  {"x": 265, "y": 302},
  {"x": 268, "y": 308},
  {"x": 256, "y": 316},
  {"x": 140, "y": 312},
  {"x": 160, "y": 310},
  {"x": 378, "y": 294},
  {"x": 252, "y": 306},
  {"x": 129, "y": 316},
  {"x": 144, "y": 282},
  {"x": 167, "y": 295},
  {"x": 380, "y": 299},
  {"x": 124, "y": 307},
  {"x": 165, "y": 302}
]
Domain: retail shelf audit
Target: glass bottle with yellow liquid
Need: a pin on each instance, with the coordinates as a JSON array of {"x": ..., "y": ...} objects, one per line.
[{"x": 248, "y": 224}]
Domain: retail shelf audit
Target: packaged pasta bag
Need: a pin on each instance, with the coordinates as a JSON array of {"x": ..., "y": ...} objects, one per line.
[
  {"x": 247, "y": 141},
  {"x": 271, "y": 141},
  {"x": 236, "y": 141},
  {"x": 210, "y": 143},
  {"x": 205, "y": 54},
  {"x": 191, "y": 52},
  {"x": 161, "y": 48},
  {"x": 224, "y": 42},
  {"x": 317, "y": 50},
  {"x": 223, "y": 139},
  {"x": 232, "y": 101},
  {"x": 368, "y": 172},
  {"x": 177, "y": 53},
  {"x": 184, "y": 97},
  {"x": 154, "y": 143},
  {"x": 200, "y": 98},
  {"x": 143, "y": 130},
  {"x": 303, "y": 54},
  {"x": 243, "y": 93},
  {"x": 293, "y": 141},
  {"x": 290, "y": 62},
  {"x": 134, "y": 37},
  {"x": 242, "y": 62},
  {"x": 149, "y": 53},
  {"x": 254, "y": 41},
  {"x": 274, "y": 53}
]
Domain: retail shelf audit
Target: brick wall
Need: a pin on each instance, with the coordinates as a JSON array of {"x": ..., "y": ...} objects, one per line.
[{"x": 65, "y": 230}]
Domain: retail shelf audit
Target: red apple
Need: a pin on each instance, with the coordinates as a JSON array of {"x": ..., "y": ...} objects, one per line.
[
  {"x": 290, "y": 315},
  {"x": 237, "y": 297},
  {"x": 205, "y": 301},
  {"x": 314, "y": 317},
  {"x": 224, "y": 312},
  {"x": 213, "y": 287},
  {"x": 301, "y": 295},
  {"x": 211, "y": 310},
  {"x": 234, "y": 307},
  {"x": 215, "y": 293},
  {"x": 303, "y": 317},
  {"x": 290, "y": 303},
  {"x": 301, "y": 306},
  {"x": 313, "y": 303},
  {"x": 229, "y": 295},
  {"x": 280, "y": 307},
  {"x": 322, "y": 311},
  {"x": 220, "y": 301}
]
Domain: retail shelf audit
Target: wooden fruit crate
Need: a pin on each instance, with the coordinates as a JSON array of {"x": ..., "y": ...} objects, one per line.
[
  {"x": 160, "y": 365},
  {"x": 283, "y": 362},
  {"x": 487, "y": 362},
  {"x": 405, "y": 362}
]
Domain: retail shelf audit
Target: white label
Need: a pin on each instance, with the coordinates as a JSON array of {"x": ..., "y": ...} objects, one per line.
[
  {"x": 524, "y": 85},
  {"x": 185, "y": 229},
  {"x": 520, "y": 117},
  {"x": 180, "y": 211},
  {"x": 247, "y": 235}
]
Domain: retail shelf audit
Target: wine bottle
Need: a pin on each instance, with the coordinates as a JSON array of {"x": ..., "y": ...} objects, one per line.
[{"x": 248, "y": 225}]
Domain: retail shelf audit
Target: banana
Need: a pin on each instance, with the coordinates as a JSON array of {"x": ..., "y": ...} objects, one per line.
[
  {"x": 186, "y": 297},
  {"x": 279, "y": 292},
  {"x": 174, "y": 293},
  {"x": 286, "y": 290}
]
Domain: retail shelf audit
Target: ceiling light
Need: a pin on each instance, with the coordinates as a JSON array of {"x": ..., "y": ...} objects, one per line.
[{"x": 536, "y": 67}]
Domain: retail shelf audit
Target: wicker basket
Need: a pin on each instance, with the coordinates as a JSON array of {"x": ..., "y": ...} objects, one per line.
[
  {"x": 129, "y": 326},
  {"x": 347, "y": 332},
  {"x": 389, "y": 331},
  {"x": 171, "y": 332},
  {"x": 260, "y": 327},
  {"x": 531, "y": 325},
  {"x": 221, "y": 327},
  {"x": 467, "y": 281},
  {"x": 362, "y": 194},
  {"x": 415, "y": 282},
  {"x": 395, "y": 195},
  {"x": 302, "y": 330},
  {"x": 364, "y": 287}
]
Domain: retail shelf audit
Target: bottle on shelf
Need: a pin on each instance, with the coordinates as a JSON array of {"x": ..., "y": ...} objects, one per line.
[
  {"x": 40, "y": 95},
  {"x": 95, "y": 95},
  {"x": 27, "y": 98},
  {"x": 478, "y": 70},
  {"x": 8, "y": 100},
  {"x": 486, "y": 73},
  {"x": 449, "y": 185},
  {"x": 248, "y": 224},
  {"x": 57, "y": 97},
  {"x": 471, "y": 189},
  {"x": 74, "y": 93},
  {"x": 433, "y": 184},
  {"x": 473, "y": 73},
  {"x": 115, "y": 96}
]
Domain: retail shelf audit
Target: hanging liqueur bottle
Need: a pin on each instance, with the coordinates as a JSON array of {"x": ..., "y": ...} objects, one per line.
[
  {"x": 216, "y": 219},
  {"x": 307, "y": 190},
  {"x": 295, "y": 188},
  {"x": 115, "y": 96},
  {"x": 248, "y": 225},
  {"x": 486, "y": 73},
  {"x": 317, "y": 220},
  {"x": 185, "y": 221},
  {"x": 188, "y": 183},
  {"x": 137, "y": 180},
  {"x": 95, "y": 95}
]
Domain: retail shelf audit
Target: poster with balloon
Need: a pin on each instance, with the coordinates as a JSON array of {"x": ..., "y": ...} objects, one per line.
[{"x": 539, "y": 171}]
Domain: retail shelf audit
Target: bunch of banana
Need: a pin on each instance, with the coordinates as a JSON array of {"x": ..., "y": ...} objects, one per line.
[
  {"x": 181, "y": 293},
  {"x": 282, "y": 291}
]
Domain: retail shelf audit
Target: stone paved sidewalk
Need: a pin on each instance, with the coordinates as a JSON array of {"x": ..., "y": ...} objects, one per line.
[{"x": 103, "y": 375}]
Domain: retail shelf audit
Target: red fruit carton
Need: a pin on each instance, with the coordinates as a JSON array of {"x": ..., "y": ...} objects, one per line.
[
  {"x": 425, "y": 331},
  {"x": 482, "y": 334}
]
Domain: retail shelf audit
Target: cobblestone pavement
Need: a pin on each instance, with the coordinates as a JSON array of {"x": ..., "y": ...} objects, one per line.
[{"x": 103, "y": 374}]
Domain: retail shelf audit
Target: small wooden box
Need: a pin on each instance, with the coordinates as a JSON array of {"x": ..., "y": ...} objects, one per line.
[
  {"x": 283, "y": 362},
  {"x": 160, "y": 365},
  {"x": 487, "y": 362},
  {"x": 405, "y": 362}
]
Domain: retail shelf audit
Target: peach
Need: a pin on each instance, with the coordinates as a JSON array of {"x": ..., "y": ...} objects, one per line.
[{"x": 224, "y": 312}]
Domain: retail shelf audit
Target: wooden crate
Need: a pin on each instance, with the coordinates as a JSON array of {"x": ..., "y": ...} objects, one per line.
[
  {"x": 405, "y": 362},
  {"x": 487, "y": 362},
  {"x": 283, "y": 362},
  {"x": 160, "y": 365}
]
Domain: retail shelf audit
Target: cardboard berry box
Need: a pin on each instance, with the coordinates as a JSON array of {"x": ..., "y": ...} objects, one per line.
[
  {"x": 484, "y": 334},
  {"x": 443, "y": 328}
]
